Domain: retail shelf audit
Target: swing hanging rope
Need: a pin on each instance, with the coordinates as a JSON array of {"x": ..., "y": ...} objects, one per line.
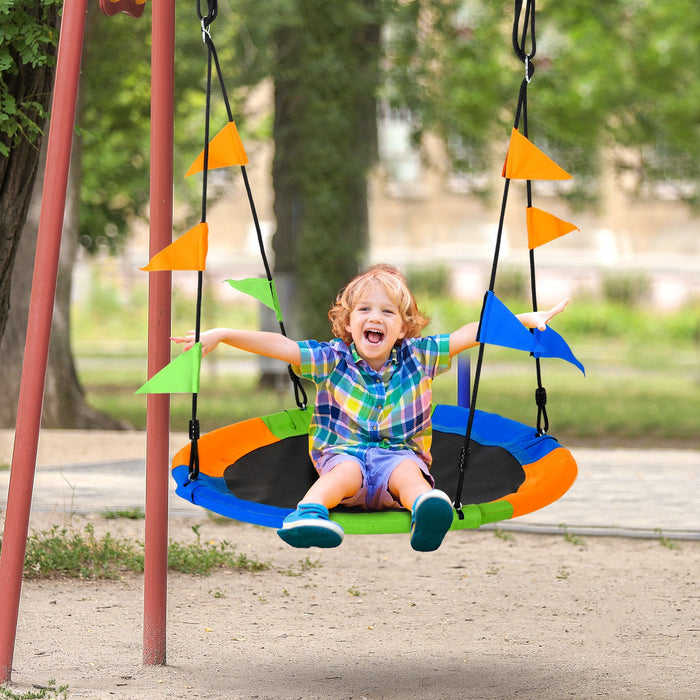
[
  {"x": 525, "y": 56},
  {"x": 520, "y": 38},
  {"x": 213, "y": 60}
]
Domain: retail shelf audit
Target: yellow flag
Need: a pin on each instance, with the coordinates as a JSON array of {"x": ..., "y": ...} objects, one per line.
[
  {"x": 524, "y": 161},
  {"x": 189, "y": 252},
  {"x": 543, "y": 227},
  {"x": 225, "y": 149}
]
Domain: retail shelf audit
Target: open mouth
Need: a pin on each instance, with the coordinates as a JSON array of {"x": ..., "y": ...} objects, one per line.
[{"x": 374, "y": 336}]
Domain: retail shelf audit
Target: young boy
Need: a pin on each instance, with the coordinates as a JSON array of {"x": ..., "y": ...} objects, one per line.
[{"x": 371, "y": 430}]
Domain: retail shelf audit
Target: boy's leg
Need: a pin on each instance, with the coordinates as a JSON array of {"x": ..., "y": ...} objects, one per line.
[
  {"x": 331, "y": 487},
  {"x": 431, "y": 509},
  {"x": 309, "y": 525},
  {"x": 407, "y": 482}
]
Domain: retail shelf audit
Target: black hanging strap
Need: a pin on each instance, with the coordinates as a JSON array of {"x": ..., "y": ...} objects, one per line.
[
  {"x": 206, "y": 20},
  {"x": 522, "y": 36},
  {"x": 210, "y": 16},
  {"x": 300, "y": 396}
]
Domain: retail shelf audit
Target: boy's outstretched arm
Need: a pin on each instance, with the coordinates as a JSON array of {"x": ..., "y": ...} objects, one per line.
[
  {"x": 465, "y": 337},
  {"x": 264, "y": 343}
]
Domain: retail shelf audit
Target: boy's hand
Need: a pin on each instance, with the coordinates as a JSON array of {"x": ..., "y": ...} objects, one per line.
[
  {"x": 209, "y": 340},
  {"x": 540, "y": 319}
]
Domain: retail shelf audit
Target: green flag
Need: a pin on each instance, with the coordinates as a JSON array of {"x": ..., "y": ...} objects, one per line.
[
  {"x": 181, "y": 376},
  {"x": 262, "y": 289}
]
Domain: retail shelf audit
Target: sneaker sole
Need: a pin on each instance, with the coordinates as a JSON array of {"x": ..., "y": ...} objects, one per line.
[
  {"x": 432, "y": 519},
  {"x": 308, "y": 534}
]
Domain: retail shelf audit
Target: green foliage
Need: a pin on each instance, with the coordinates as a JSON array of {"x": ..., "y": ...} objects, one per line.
[
  {"x": 618, "y": 73},
  {"x": 201, "y": 557},
  {"x": 665, "y": 541},
  {"x": 50, "y": 692},
  {"x": 65, "y": 552},
  {"x": 512, "y": 283},
  {"x": 428, "y": 281},
  {"x": 656, "y": 115},
  {"x": 621, "y": 73},
  {"x": 445, "y": 62},
  {"x": 115, "y": 121},
  {"x": 28, "y": 40},
  {"x": 61, "y": 552},
  {"x": 569, "y": 537},
  {"x": 130, "y": 514},
  {"x": 629, "y": 290}
]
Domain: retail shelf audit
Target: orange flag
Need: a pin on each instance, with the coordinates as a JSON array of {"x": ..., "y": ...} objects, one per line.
[
  {"x": 225, "y": 149},
  {"x": 524, "y": 161},
  {"x": 189, "y": 252},
  {"x": 543, "y": 227}
]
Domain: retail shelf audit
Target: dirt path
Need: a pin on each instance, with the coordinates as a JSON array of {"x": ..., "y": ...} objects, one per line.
[{"x": 487, "y": 616}]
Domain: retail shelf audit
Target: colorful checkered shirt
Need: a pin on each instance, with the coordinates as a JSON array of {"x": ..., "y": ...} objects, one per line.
[{"x": 358, "y": 407}]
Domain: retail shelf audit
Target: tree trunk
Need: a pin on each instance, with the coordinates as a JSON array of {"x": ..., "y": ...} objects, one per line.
[
  {"x": 64, "y": 399},
  {"x": 326, "y": 77},
  {"x": 18, "y": 170}
]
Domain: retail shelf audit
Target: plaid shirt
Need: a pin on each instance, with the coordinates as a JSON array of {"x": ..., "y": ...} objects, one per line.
[{"x": 358, "y": 407}]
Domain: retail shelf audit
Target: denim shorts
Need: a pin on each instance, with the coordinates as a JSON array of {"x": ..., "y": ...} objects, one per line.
[{"x": 376, "y": 469}]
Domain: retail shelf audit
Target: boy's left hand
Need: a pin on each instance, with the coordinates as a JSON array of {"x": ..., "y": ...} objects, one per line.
[{"x": 540, "y": 319}]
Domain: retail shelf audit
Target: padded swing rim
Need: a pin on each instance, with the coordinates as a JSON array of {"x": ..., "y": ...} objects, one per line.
[{"x": 549, "y": 469}]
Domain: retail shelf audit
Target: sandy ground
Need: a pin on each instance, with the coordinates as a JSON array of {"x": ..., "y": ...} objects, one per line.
[{"x": 490, "y": 615}]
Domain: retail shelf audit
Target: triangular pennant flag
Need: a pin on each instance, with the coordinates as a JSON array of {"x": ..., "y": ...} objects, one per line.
[
  {"x": 262, "y": 289},
  {"x": 543, "y": 227},
  {"x": 225, "y": 149},
  {"x": 550, "y": 344},
  {"x": 189, "y": 252},
  {"x": 500, "y": 326},
  {"x": 181, "y": 376},
  {"x": 524, "y": 161}
]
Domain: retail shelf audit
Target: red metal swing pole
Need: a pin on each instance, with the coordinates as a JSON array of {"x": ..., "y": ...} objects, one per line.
[
  {"x": 19, "y": 499},
  {"x": 159, "y": 319}
]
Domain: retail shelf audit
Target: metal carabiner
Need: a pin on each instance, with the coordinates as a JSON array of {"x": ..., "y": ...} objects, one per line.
[{"x": 206, "y": 32}]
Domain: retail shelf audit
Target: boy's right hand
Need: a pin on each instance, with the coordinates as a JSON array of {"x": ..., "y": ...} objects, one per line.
[{"x": 209, "y": 340}]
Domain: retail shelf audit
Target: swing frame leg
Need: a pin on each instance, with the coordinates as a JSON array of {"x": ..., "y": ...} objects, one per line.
[
  {"x": 159, "y": 320},
  {"x": 29, "y": 407}
]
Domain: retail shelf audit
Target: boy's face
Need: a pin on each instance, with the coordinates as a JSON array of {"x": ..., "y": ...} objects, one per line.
[{"x": 375, "y": 326}]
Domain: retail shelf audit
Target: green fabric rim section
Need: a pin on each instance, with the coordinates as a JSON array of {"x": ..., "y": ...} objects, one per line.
[
  {"x": 396, "y": 521},
  {"x": 288, "y": 423}
]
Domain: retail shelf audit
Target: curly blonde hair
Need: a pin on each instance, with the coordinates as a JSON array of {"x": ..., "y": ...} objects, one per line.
[{"x": 394, "y": 285}]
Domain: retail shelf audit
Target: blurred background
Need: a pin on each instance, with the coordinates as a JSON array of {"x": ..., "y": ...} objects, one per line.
[{"x": 376, "y": 132}]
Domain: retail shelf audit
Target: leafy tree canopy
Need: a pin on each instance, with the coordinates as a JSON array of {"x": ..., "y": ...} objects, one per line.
[{"x": 28, "y": 40}]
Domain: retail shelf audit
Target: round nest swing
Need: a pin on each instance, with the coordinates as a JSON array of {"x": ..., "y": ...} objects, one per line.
[{"x": 257, "y": 470}]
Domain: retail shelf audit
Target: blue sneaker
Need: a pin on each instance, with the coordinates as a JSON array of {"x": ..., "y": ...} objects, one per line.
[
  {"x": 430, "y": 521},
  {"x": 310, "y": 526}
]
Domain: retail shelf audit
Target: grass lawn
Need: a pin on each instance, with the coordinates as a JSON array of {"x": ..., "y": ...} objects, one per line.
[{"x": 642, "y": 384}]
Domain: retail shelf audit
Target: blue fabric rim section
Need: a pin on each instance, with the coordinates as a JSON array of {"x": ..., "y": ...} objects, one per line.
[
  {"x": 211, "y": 493},
  {"x": 519, "y": 439}
]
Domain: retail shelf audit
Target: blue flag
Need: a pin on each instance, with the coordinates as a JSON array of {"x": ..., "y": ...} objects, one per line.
[
  {"x": 550, "y": 344},
  {"x": 500, "y": 326}
]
